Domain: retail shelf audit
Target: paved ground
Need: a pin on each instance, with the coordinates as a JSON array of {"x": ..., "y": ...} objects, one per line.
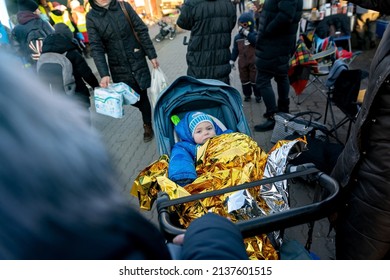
[{"x": 130, "y": 155}]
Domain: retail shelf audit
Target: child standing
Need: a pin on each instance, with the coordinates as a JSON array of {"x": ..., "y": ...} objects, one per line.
[
  {"x": 193, "y": 130},
  {"x": 244, "y": 49}
]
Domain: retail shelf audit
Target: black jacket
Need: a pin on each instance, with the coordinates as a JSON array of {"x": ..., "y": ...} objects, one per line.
[
  {"x": 58, "y": 43},
  {"x": 110, "y": 33},
  {"x": 211, "y": 23},
  {"x": 363, "y": 168},
  {"x": 277, "y": 35}
]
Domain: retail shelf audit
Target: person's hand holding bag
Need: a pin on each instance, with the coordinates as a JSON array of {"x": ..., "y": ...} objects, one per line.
[
  {"x": 105, "y": 81},
  {"x": 155, "y": 63}
]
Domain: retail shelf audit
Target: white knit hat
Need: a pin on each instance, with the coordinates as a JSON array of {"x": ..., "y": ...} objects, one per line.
[
  {"x": 74, "y": 4},
  {"x": 196, "y": 118}
]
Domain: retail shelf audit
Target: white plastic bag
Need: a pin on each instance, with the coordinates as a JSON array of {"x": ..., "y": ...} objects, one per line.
[{"x": 159, "y": 83}]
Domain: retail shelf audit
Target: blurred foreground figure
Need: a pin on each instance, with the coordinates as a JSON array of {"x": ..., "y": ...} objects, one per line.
[
  {"x": 363, "y": 168},
  {"x": 58, "y": 193}
]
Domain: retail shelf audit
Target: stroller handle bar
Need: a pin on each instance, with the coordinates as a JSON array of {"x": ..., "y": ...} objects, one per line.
[{"x": 264, "y": 224}]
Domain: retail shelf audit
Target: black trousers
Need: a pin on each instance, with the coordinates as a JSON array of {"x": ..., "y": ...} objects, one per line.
[{"x": 143, "y": 104}]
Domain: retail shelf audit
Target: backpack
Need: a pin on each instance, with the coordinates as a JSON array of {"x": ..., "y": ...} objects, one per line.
[
  {"x": 56, "y": 71},
  {"x": 4, "y": 40}
]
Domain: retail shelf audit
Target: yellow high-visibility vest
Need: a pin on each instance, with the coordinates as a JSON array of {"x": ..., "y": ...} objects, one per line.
[
  {"x": 81, "y": 21},
  {"x": 64, "y": 19}
]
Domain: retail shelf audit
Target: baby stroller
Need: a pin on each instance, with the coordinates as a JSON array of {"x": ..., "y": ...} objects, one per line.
[{"x": 224, "y": 102}]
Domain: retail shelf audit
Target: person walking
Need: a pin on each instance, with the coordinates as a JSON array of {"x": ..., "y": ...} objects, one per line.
[
  {"x": 211, "y": 23},
  {"x": 244, "y": 49},
  {"x": 29, "y": 33},
  {"x": 126, "y": 46},
  {"x": 363, "y": 168},
  {"x": 276, "y": 41}
]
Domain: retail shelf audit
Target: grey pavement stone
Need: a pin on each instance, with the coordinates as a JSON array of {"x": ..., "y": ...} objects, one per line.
[{"x": 129, "y": 154}]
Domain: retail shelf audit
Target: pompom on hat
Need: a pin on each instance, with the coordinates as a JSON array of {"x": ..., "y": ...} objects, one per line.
[
  {"x": 27, "y": 5},
  {"x": 196, "y": 118}
]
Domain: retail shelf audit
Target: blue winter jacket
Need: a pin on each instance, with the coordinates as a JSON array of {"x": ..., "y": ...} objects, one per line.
[{"x": 183, "y": 155}]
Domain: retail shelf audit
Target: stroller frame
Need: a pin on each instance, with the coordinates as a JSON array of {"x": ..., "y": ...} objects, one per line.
[{"x": 264, "y": 224}]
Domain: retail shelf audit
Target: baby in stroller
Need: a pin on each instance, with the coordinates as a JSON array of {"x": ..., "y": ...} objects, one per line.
[
  {"x": 216, "y": 161},
  {"x": 193, "y": 130}
]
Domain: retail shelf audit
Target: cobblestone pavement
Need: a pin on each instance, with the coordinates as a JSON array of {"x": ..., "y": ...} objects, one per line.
[{"x": 130, "y": 155}]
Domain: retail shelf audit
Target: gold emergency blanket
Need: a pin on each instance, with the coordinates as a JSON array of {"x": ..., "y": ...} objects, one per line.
[{"x": 223, "y": 161}]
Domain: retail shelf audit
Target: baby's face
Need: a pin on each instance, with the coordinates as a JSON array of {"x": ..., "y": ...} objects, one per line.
[{"x": 203, "y": 131}]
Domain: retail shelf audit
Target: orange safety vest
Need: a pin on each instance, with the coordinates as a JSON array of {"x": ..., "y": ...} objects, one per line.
[{"x": 81, "y": 21}]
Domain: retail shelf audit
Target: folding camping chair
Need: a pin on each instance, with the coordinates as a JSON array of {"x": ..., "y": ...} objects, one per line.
[
  {"x": 323, "y": 53},
  {"x": 343, "y": 93}
]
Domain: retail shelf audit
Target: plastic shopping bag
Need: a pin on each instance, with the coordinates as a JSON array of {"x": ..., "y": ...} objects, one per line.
[
  {"x": 108, "y": 102},
  {"x": 129, "y": 95},
  {"x": 159, "y": 83}
]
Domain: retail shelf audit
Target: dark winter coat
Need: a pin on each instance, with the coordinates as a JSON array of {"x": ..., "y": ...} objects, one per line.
[
  {"x": 211, "y": 23},
  {"x": 364, "y": 165},
  {"x": 58, "y": 43},
  {"x": 27, "y": 22},
  {"x": 277, "y": 35},
  {"x": 110, "y": 33},
  {"x": 183, "y": 155}
]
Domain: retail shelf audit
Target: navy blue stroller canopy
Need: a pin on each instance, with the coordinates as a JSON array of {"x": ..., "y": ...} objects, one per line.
[{"x": 187, "y": 94}]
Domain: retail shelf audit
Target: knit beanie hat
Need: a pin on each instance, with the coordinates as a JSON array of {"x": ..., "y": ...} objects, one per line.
[
  {"x": 247, "y": 17},
  {"x": 196, "y": 118},
  {"x": 27, "y": 5},
  {"x": 74, "y": 4},
  {"x": 58, "y": 6}
]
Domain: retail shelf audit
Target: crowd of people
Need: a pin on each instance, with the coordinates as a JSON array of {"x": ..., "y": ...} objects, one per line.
[
  {"x": 118, "y": 41},
  {"x": 84, "y": 34}
]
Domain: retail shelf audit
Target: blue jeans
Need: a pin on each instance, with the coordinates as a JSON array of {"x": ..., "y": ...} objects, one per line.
[{"x": 263, "y": 83}]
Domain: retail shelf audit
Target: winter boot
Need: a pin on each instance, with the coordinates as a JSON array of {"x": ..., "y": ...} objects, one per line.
[
  {"x": 148, "y": 132},
  {"x": 266, "y": 126}
]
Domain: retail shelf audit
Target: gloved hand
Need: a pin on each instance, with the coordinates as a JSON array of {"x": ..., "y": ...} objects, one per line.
[
  {"x": 232, "y": 65},
  {"x": 243, "y": 31},
  {"x": 80, "y": 36}
]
